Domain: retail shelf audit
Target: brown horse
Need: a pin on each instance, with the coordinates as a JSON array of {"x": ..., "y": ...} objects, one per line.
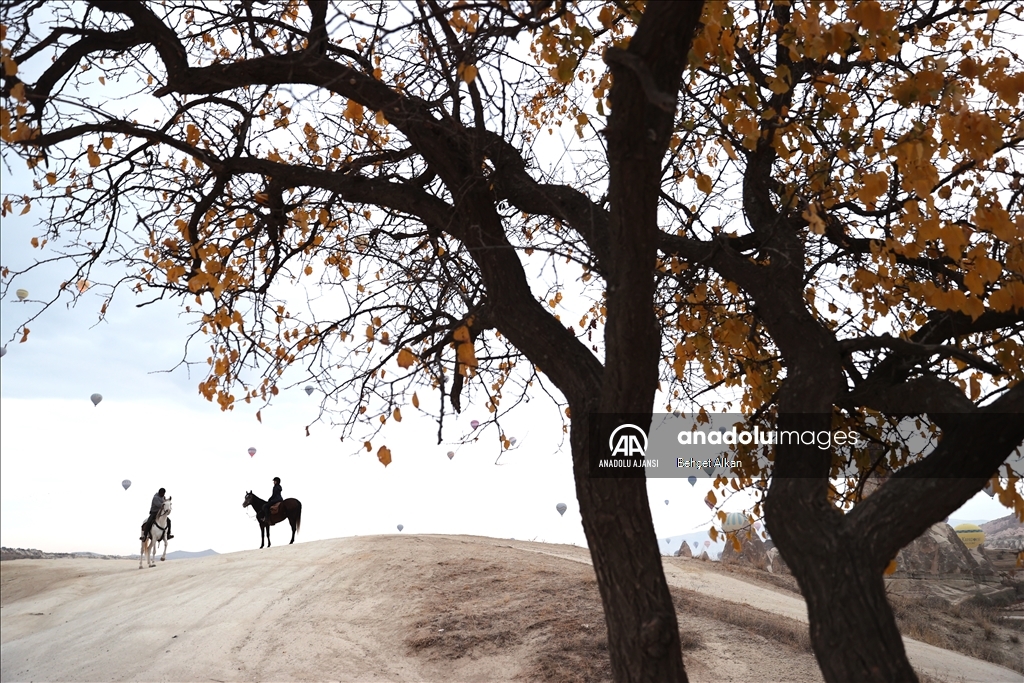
[{"x": 289, "y": 508}]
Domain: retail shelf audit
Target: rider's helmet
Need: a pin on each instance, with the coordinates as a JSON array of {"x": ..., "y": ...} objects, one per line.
[
  {"x": 277, "y": 480},
  {"x": 162, "y": 491}
]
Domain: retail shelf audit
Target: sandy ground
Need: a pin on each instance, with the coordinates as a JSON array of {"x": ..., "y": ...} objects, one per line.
[{"x": 385, "y": 608}]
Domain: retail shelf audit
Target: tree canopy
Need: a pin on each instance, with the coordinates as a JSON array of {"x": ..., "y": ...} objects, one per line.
[{"x": 808, "y": 212}]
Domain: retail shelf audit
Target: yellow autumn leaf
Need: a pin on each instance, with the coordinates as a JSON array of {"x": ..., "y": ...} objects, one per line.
[
  {"x": 704, "y": 183},
  {"x": 415, "y": 400},
  {"x": 51, "y": 178},
  {"x": 397, "y": 415},
  {"x": 354, "y": 111},
  {"x": 384, "y": 455},
  {"x": 308, "y": 270},
  {"x": 18, "y": 92},
  {"x": 469, "y": 73},
  {"x": 368, "y": 446},
  {"x": 467, "y": 356},
  {"x": 94, "y": 158},
  {"x": 405, "y": 359},
  {"x": 872, "y": 186},
  {"x": 107, "y": 143}
]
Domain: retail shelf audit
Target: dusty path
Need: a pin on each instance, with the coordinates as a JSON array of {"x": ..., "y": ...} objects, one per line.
[{"x": 348, "y": 609}]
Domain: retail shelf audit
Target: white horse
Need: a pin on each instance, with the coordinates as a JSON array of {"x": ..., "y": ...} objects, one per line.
[{"x": 157, "y": 533}]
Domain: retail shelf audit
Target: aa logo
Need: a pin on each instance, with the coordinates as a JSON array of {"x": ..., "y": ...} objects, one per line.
[{"x": 628, "y": 441}]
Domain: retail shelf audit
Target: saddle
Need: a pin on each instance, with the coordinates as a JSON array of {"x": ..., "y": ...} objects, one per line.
[{"x": 275, "y": 508}]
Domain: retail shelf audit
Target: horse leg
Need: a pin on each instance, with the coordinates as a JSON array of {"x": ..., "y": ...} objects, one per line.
[
  {"x": 268, "y": 533},
  {"x": 164, "y": 557},
  {"x": 142, "y": 553},
  {"x": 261, "y": 535},
  {"x": 292, "y": 522}
]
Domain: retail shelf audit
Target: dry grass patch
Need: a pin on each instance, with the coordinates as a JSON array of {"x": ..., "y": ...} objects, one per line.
[
  {"x": 553, "y": 616},
  {"x": 478, "y": 607},
  {"x": 971, "y": 628}
]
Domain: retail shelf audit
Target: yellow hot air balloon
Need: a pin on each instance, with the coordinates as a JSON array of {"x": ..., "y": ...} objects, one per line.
[
  {"x": 971, "y": 535},
  {"x": 22, "y": 294}
]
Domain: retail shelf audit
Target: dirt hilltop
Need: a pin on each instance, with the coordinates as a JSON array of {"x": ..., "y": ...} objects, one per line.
[{"x": 396, "y": 608}]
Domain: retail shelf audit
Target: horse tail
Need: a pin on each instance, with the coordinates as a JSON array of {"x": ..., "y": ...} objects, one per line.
[{"x": 298, "y": 516}]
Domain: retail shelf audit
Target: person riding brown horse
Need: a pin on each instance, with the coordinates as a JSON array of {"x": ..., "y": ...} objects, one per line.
[
  {"x": 154, "y": 510},
  {"x": 275, "y": 497}
]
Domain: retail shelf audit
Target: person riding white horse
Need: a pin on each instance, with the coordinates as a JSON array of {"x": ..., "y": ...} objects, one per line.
[
  {"x": 158, "y": 531},
  {"x": 154, "y": 510}
]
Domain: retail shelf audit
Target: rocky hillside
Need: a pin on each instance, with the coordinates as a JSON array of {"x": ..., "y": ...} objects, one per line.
[{"x": 1005, "y": 532}]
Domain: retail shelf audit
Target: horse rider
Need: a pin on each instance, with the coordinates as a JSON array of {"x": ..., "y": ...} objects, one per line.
[
  {"x": 275, "y": 497},
  {"x": 154, "y": 510}
]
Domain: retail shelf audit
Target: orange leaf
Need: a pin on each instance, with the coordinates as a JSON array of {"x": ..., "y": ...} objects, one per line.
[
  {"x": 259, "y": 417},
  {"x": 94, "y": 158},
  {"x": 397, "y": 415},
  {"x": 24, "y": 335},
  {"x": 384, "y": 455},
  {"x": 415, "y": 401},
  {"x": 406, "y": 358}
]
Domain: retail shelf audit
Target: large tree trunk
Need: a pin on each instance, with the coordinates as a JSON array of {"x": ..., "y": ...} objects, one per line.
[
  {"x": 643, "y": 634},
  {"x": 853, "y": 630}
]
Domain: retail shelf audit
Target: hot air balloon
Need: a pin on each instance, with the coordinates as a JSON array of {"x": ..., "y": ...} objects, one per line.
[
  {"x": 362, "y": 242},
  {"x": 512, "y": 441},
  {"x": 667, "y": 540},
  {"x": 757, "y": 526},
  {"x": 3, "y": 351},
  {"x": 734, "y": 521},
  {"x": 96, "y": 398},
  {"x": 126, "y": 483},
  {"x": 971, "y": 535},
  {"x": 252, "y": 451},
  {"x": 309, "y": 390},
  {"x": 561, "y": 507},
  {"x": 400, "y": 527},
  {"x": 22, "y": 294},
  {"x": 451, "y": 454},
  {"x": 692, "y": 480},
  {"x": 666, "y": 502},
  {"x": 474, "y": 423},
  {"x": 707, "y": 544},
  {"x": 695, "y": 544}
]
